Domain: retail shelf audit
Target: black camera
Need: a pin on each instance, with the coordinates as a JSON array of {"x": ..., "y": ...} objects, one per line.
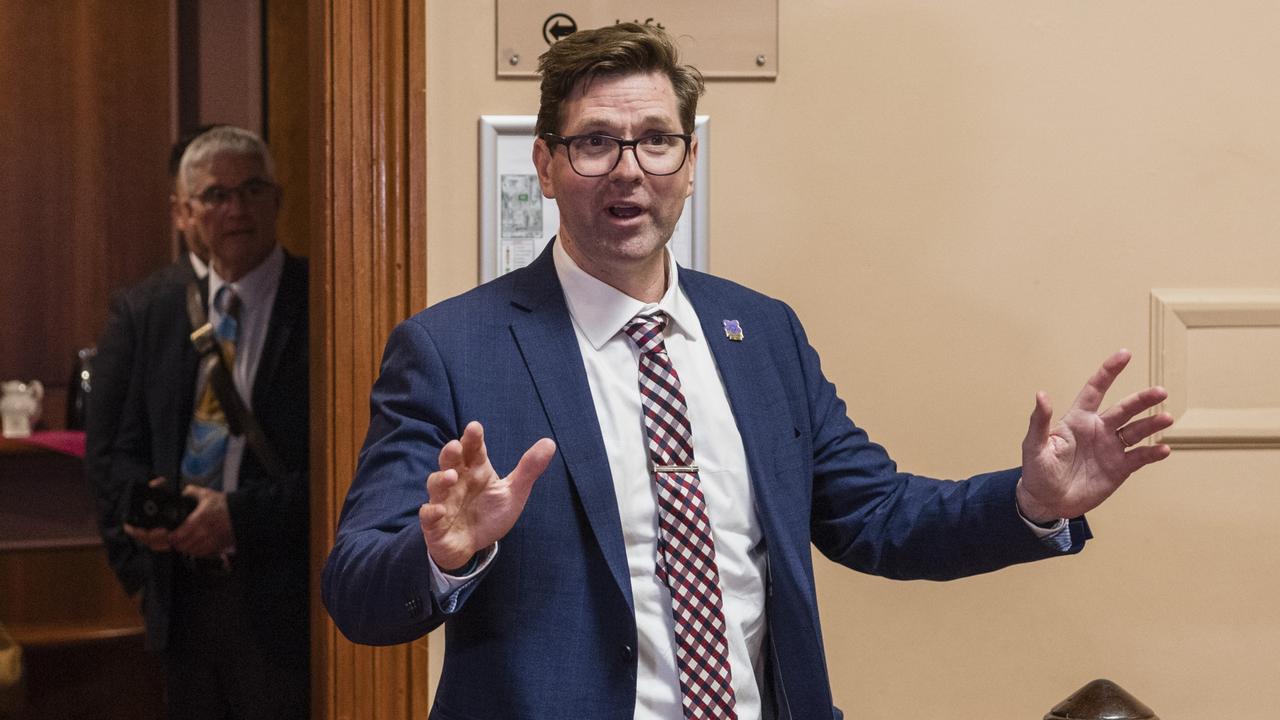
[{"x": 152, "y": 507}]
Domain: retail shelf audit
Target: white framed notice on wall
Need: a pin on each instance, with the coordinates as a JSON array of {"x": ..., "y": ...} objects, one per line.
[{"x": 517, "y": 222}]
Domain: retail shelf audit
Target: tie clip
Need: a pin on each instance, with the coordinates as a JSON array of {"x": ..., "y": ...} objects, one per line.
[
  {"x": 675, "y": 468},
  {"x": 203, "y": 338}
]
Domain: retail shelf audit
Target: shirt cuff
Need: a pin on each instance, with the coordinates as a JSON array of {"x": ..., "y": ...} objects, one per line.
[
  {"x": 1046, "y": 531},
  {"x": 445, "y": 587},
  {"x": 1057, "y": 535}
]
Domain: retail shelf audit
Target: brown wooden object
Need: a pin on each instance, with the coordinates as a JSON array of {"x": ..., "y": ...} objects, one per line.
[
  {"x": 368, "y": 271},
  {"x": 81, "y": 635},
  {"x": 288, "y": 127},
  {"x": 55, "y": 584},
  {"x": 84, "y": 185},
  {"x": 1101, "y": 700}
]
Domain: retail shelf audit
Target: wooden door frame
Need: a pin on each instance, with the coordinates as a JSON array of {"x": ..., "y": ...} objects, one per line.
[{"x": 368, "y": 272}]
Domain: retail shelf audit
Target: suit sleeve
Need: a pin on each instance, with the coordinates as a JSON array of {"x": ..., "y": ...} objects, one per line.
[
  {"x": 870, "y": 516},
  {"x": 376, "y": 583},
  {"x": 113, "y": 370}
]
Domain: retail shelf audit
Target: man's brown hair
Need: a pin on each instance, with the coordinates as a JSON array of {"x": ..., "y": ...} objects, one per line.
[{"x": 620, "y": 49}]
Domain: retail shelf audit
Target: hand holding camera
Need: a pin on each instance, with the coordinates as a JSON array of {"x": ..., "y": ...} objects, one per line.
[
  {"x": 194, "y": 521},
  {"x": 157, "y": 505}
]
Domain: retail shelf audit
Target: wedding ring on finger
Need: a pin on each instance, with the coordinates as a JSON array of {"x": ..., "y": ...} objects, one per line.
[{"x": 1120, "y": 435}]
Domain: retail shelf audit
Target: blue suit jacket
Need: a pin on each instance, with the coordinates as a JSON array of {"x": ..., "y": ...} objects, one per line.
[{"x": 549, "y": 631}]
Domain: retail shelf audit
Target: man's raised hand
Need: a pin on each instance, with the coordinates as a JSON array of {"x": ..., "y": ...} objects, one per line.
[
  {"x": 470, "y": 507},
  {"x": 1069, "y": 468}
]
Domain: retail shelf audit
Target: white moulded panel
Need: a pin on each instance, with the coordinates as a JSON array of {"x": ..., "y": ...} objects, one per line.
[{"x": 1217, "y": 351}]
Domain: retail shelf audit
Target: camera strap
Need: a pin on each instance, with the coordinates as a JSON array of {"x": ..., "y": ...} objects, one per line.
[{"x": 240, "y": 419}]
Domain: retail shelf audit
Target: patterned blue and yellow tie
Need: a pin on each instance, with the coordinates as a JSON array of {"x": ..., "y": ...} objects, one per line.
[{"x": 207, "y": 441}]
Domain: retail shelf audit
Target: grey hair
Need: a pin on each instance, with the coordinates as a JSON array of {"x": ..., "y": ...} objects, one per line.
[{"x": 223, "y": 139}]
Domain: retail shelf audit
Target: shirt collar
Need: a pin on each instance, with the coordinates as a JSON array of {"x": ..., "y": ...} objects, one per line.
[
  {"x": 601, "y": 310},
  {"x": 200, "y": 267},
  {"x": 258, "y": 286}
]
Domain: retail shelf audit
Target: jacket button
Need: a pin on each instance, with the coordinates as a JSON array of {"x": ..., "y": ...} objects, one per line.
[{"x": 628, "y": 652}]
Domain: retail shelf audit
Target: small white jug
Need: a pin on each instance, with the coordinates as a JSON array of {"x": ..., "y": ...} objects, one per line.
[{"x": 20, "y": 407}]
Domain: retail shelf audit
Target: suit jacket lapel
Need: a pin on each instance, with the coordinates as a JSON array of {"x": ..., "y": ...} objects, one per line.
[
  {"x": 549, "y": 346},
  {"x": 179, "y": 371},
  {"x": 289, "y": 303},
  {"x": 756, "y": 397}
]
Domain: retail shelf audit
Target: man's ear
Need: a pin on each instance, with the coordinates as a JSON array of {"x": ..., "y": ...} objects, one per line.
[
  {"x": 542, "y": 157},
  {"x": 692, "y": 163},
  {"x": 177, "y": 213},
  {"x": 182, "y": 211}
]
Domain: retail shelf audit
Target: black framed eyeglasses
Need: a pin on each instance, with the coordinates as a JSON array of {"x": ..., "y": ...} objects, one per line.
[
  {"x": 249, "y": 191},
  {"x": 596, "y": 154}
]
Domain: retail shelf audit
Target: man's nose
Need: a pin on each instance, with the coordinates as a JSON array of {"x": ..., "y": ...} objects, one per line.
[
  {"x": 237, "y": 199},
  {"x": 628, "y": 165}
]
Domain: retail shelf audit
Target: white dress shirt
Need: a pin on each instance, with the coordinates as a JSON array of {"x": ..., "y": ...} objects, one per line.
[
  {"x": 599, "y": 314},
  {"x": 257, "y": 291}
]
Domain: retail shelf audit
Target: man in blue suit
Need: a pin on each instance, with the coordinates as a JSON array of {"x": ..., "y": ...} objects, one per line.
[{"x": 671, "y": 451}]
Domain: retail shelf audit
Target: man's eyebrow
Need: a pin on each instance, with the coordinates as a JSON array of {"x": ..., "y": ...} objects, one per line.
[
  {"x": 649, "y": 123},
  {"x": 254, "y": 179},
  {"x": 594, "y": 125}
]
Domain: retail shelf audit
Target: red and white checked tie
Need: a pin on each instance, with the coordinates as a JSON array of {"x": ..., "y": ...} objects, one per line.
[{"x": 686, "y": 560}]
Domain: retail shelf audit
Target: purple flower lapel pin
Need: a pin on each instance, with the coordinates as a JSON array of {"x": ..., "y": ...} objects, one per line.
[{"x": 733, "y": 330}]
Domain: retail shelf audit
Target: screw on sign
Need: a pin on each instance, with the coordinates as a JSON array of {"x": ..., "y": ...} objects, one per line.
[{"x": 553, "y": 30}]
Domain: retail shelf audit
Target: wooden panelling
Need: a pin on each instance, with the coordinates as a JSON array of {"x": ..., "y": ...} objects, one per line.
[
  {"x": 287, "y": 125},
  {"x": 60, "y": 601},
  {"x": 230, "y": 60},
  {"x": 368, "y": 273},
  {"x": 84, "y": 138},
  {"x": 111, "y": 678},
  {"x": 48, "y": 544}
]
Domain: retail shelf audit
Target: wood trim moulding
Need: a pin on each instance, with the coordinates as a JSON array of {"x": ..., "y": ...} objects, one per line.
[
  {"x": 368, "y": 271},
  {"x": 1175, "y": 314}
]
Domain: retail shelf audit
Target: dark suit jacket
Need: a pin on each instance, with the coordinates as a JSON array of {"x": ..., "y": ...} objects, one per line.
[
  {"x": 269, "y": 515},
  {"x": 549, "y": 631},
  {"x": 112, "y": 373}
]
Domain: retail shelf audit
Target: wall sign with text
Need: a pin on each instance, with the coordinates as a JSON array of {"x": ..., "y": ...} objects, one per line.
[{"x": 722, "y": 38}]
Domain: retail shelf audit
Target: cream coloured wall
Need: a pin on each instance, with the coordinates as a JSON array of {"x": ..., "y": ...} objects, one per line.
[{"x": 967, "y": 202}]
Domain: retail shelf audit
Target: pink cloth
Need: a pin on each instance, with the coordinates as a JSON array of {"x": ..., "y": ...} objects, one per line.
[{"x": 67, "y": 442}]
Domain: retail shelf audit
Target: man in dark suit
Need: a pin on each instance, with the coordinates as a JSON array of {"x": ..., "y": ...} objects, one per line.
[
  {"x": 686, "y": 449},
  {"x": 111, "y": 373},
  {"x": 225, "y": 592}
]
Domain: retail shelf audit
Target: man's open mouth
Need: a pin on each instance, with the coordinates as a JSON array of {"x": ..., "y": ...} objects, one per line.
[{"x": 625, "y": 211}]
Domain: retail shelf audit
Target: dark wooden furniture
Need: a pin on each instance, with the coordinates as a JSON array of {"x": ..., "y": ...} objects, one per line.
[{"x": 82, "y": 637}]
